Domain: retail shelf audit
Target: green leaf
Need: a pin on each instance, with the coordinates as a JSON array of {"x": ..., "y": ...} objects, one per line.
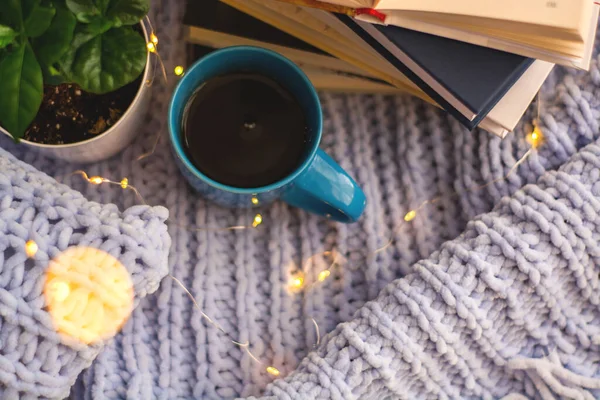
[
  {"x": 103, "y": 5},
  {"x": 106, "y": 62},
  {"x": 118, "y": 12},
  {"x": 22, "y": 90},
  {"x": 83, "y": 34},
  {"x": 97, "y": 26},
  {"x": 52, "y": 76},
  {"x": 127, "y": 12},
  {"x": 55, "y": 42},
  {"x": 27, "y": 7},
  {"x": 38, "y": 20},
  {"x": 7, "y": 36},
  {"x": 85, "y": 10},
  {"x": 11, "y": 15}
]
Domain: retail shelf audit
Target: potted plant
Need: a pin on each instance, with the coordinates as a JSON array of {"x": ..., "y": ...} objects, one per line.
[{"x": 73, "y": 75}]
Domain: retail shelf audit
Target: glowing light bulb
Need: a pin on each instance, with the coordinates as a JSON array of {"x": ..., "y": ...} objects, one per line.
[
  {"x": 273, "y": 371},
  {"x": 124, "y": 183},
  {"x": 324, "y": 275},
  {"x": 151, "y": 47},
  {"x": 31, "y": 248},
  {"x": 296, "y": 281},
  {"x": 178, "y": 70},
  {"x": 257, "y": 220},
  {"x": 536, "y": 137},
  {"x": 59, "y": 290},
  {"x": 254, "y": 200},
  {"x": 88, "y": 293},
  {"x": 410, "y": 215},
  {"x": 96, "y": 180}
]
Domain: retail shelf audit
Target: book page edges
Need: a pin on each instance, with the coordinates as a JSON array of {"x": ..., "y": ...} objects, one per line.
[
  {"x": 586, "y": 61},
  {"x": 372, "y": 63},
  {"x": 219, "y": 40},
  {"x": 567, "y": 15},
  {"x": 494, "y": 123},
  {"x": 510, "y": 109},
  {"x": 480, "y": 40},
  {"x": 331, "y": 81},
  {"x": 491, "y": 127}
]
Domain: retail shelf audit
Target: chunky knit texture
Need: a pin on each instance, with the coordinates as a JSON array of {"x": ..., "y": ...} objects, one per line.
[
  {"x": 35, "y": 361},
  {"x": 468, "y": 321}
]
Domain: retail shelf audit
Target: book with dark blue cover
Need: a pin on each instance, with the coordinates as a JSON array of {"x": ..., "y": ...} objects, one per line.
[{"x": 465, "y": 79}]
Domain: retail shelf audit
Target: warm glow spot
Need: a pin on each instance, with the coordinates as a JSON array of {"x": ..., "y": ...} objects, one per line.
[
  {"x": 296, "y": 281},
  {"x": 31, "y": 248},
  {"x": 410, "y": 215},
  {"x": 154, "y": 39},
  {"x": 273, "y": 371},
  {"x": 257, "y": 220},
  {"x": 536, "y": 137},
  {"x": 254, "y": 200},
  {"x": 324, "y": 275},
  {"x": 151, "y": 47},
  {"x": 124, "y": 183},
  {"x": 96, "y": 180},
  {"x": 89, "y": 294},
  {"x": 58, "y": 290},
  {"x": 179, "y": 70}
]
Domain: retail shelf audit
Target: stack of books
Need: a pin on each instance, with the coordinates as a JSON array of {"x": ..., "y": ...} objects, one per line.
[{"x": 482, "y": 61}]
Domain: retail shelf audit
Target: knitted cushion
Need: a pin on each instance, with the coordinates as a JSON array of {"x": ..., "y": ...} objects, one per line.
[{"x": 35, "y": 360}]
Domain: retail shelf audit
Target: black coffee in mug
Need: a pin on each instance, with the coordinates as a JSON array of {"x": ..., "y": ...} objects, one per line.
[{"x": 244, "y": 130}]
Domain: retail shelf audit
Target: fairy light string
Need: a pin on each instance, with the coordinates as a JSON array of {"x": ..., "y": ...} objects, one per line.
[
  {"x": 534, "y": 138},
  {"x": 152, "y": 47},
  {"x": 317, "y": 330},
  {"x": 298, "y": 282},
  {"x": 152, "y": 150},
  {"x": 242, "y": 345},
  {"x": 98, "y": 180},
  {"x": 61, "y": 290}
]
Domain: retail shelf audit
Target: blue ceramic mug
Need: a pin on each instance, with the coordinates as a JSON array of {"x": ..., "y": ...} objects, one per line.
[{"x": 318, "y": 184}]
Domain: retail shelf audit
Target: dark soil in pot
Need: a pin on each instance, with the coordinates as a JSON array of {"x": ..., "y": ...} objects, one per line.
[{"x": 70, "y": 115}]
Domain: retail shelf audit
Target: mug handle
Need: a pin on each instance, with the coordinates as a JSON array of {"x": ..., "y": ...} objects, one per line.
[{"x": 324, "y": 188}]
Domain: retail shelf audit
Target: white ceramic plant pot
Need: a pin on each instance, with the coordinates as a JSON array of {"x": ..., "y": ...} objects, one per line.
[{"x": 114, "y": 139}]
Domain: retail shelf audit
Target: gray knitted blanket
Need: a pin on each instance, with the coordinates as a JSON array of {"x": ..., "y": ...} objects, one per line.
[{"x": 503, "y": 302}]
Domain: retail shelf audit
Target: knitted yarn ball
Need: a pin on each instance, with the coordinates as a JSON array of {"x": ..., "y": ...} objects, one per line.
[{"x": 36, "y": 361}]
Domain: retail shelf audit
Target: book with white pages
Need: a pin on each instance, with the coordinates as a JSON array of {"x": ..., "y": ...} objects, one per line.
[
  {"x": 324, "y": 30},
  {"x": 557, "y": 31}
]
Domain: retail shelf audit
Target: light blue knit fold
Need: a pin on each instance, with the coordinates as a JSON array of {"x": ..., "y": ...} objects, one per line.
[
  {"x": 35, "y": 360},
  {"x": 519, "y": 279}
]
